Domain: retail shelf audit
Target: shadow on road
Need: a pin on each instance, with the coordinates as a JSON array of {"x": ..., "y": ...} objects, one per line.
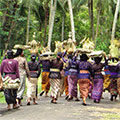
[{"x": 4, "y": 111}]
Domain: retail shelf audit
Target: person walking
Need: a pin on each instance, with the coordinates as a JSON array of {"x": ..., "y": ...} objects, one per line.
[
  {"x": 9, "y": 68},
  {"x": 24, "y": 71},
  {"x": 35, "y": 70}
]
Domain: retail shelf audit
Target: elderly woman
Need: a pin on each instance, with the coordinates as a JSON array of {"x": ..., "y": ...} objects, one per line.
[
  {"x": 85, "y": 72},
  {"x": 9, "y": 67}
]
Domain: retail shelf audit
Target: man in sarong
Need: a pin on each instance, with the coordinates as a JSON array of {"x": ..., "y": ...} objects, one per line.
[
  {"x": 35, "y": 70},
  {"x": 9, "y": 67},
  {"x": 55, "y": 77},
  {"x": 45, "y": 76},
  {"x": 24, "y": 71}
]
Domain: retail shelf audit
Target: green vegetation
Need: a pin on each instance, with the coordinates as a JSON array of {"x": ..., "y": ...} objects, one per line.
[{"x": 14, "y": 16}]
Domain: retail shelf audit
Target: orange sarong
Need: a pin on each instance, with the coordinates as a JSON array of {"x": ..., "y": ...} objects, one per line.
[
  {"x": 84, "y": 85},
  {"x": 45, "y": 82}
]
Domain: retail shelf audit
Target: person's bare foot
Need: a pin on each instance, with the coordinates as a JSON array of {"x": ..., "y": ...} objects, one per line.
[
  {"x": 35, "y": 103},
  {"x": 46, "y": 94},
  {"x": 8, "y": 107},
  {"x": 15, "y": 106}
]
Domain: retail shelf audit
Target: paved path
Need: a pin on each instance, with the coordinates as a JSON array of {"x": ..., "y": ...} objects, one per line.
[{"x": 106, "y": 110}]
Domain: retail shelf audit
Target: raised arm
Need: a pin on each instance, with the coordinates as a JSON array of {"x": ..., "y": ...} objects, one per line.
[{"x": 63, "y": 57}]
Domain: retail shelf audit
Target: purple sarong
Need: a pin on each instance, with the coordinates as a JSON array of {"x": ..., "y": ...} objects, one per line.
[
  {"x": 98, "y": 87},
  {"x": 72, "y": 83}
]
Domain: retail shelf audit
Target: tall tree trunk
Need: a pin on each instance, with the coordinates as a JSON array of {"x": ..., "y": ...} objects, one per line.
[
  {"x": 51, "y": 21},
  {"x": 28, "y": 22},
  {"x": 72, "y": 20},
  {"x": 98, "y": 20},
  {"x": 115, "y": 20},
  {"x": 92, "y": 20},
  {"x": 46, "y": 16},
  {"x": 90, "y": 11},
  {"x": 63, "y": 24},
  {"x": 10, "y": 32},
  {"x": 89, "y": 8}
]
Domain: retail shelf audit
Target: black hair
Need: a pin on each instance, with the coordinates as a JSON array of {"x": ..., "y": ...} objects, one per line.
[
  {"x": 10, "y": 54},
  {"x": 19, "y": 52},
  {"x": 97, "y": 59}
]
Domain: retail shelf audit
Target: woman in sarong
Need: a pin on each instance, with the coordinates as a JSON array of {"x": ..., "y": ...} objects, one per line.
[
  {"x": 72, "y": 77},
  {"x": 85, "y": 72},
  {"x": 35, "y": 70},
  {"x": 24, "y": 71},
  {"x": 9, "y": 67},
  {"x": 55, "y": 77},
  {"x": 113, "y": 68},
  {"x": 65, "y": 68},
  {"x": 97, "y": 79},
  {"x": 106, "y": 78},
  {"x": 45, "y": 76}
]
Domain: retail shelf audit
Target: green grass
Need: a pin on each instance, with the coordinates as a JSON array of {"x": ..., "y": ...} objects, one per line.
[{"x": 2, "y": 98}]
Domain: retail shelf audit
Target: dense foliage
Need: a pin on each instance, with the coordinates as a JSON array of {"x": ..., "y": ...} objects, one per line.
[{"x": 14, "y": 15}]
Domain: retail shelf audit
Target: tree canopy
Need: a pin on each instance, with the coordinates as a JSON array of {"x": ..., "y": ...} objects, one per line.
[{"x": 93, "y": 19}]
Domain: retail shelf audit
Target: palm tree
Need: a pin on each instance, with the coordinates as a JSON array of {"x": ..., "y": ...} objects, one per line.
[
  {"x": 28, "y": 21},
  {"x": 115, "y": 20},
  {"x": 51, "y": 21}
]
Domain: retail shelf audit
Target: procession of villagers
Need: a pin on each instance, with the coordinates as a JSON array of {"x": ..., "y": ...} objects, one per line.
[{"x": 93, "y": 72}]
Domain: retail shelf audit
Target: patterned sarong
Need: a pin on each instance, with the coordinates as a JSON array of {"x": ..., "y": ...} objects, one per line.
[
  {"x": 55, "y": 88},
  {"x": 113, "y": 86},
  {"x": 45, "y": 82},
  {"x": 106, "y": 81},
  {"x": 62, "y": 83},
  {"x": 21, "y": 89},
  {"x": 31, "y": 87},
  {"x": 72, "y": 81},
  {"x": 118, "y": 86},
  {"x": 84, "y": 85},
  {"x": 98, "y": 87},
  {"x": 66, "y": 85}
]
